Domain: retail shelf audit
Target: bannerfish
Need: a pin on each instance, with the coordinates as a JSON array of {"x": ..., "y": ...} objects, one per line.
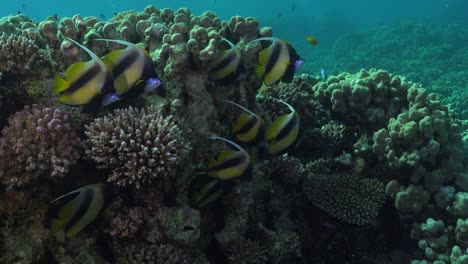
[
  {"x": 86, "y": 83},
  {"x": 230, "y": 164},
  {"x": 206, "y": 190},
  {"x": 284, "y": 131},
  {"x": 132, "y": 68},
  {"x": 227, "y": 65},
  {"x": 277, "y": 62},
  {"x": 312, "y": 40},
  {"x": 249, "y": 128},
  {"x": 78, "y": 212},
  {"x": 324, "y": 74}
]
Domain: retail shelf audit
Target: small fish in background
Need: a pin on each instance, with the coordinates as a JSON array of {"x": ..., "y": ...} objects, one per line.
[
  {"x": 227, "y": 65},
  {"x": 284, "y": 132},
  {"x": 249, "y": 127},
  {"x": 102, "y": 16},
  {"x": 19, "y": 12},
  {"x": 312, "y": 40},
  {"x": 277, "y": 62},
  {"x": 324, "y": 74},
  {"x": 279, "y": 15},
  {"x": 82, "y": 206},
  {"x": 86, "y": 83},
  {"x": 56, "y": 17},
  {"x": 23, "y": 6},
  {"x": 132, "y": 69},
  {"x": 293, "y": 7}
]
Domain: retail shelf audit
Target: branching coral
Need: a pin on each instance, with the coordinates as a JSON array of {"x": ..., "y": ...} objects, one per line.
[
  {"x": 345, "y": 196},
  {"x": 21, "y": 55},
  {"x": 139, "y": 145},
  {"x": 39, "y": 141}
]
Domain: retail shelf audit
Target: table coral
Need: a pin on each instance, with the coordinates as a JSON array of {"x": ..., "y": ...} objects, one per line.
[
  {"x": 38, "y": 141},
  {"x": 139, "y": 145}
]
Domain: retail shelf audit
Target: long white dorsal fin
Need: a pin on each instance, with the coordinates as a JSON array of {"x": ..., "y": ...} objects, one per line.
[
  {"x": 230, "y": 142},
  {"x": 90, "y": 53},
  {"x": 267, "y": 38},
  {"x": 288, "y": 105},
  {"x": 243, "y": 108},
  {"x": 123, "y": 42},
  {"x": 72, "y": 192},
  {"x": 229, "y": 42}
]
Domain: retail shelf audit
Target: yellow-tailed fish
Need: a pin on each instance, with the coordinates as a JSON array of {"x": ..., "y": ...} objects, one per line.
[
  {"x": 312, "y": 40},
  {"x": 249, "y": 128},
  {"x": 284, "y": 131},
  {"x": 78, "y": 212},
  {"x": 132, "y": 68},
  {"x": 227, "y": 65},
  {"x": 277, "y": 62},
  {"x": 86, "y": 83},
  {"x": 230, "y": 164}
]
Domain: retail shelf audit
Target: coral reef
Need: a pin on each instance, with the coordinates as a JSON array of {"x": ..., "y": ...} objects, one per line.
[
  {"x": 353, "y": 200},
  {"x": 38, "y": 142},
  {"x": 139, "y": 145},
  {"x": 359, "y": 133}
]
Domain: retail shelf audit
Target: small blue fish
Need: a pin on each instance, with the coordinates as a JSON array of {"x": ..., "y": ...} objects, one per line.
[{"x": 324, "y": 74}]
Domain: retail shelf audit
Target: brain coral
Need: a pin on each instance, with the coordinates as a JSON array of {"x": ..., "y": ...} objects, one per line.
[
  {"x": 139, "y": 145},
  {"x": 345, "y": 196},
  {"x": 38, "y": 141}
]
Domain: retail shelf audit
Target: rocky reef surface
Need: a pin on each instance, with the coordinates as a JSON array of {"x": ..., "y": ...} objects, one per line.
[{"x": 380, "y": 174}]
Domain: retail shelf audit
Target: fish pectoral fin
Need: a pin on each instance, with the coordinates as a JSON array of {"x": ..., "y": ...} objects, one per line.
[
  {"x": 74, "y": 71},
  {"x": 60, "y": 85},
  {"x": 259, "y": 70},
  {"x": 110, "y": 57}
]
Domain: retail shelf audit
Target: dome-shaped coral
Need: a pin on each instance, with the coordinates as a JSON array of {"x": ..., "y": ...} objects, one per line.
[
  {"x": 139, "y": 145},
  {"x": 38, "y": 141}
]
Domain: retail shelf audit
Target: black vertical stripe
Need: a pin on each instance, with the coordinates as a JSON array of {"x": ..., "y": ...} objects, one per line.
[
  {"x": 287, "y": 129},
  {"x": 274, "y": 57},
  {"x": 248, "y": 126},
  {"x": 83, "y": 79},
  {"x": 231, "y": 162},
  {"x": 124, "y": 64},
  {"x": 82, "y": 209},
  {"x": 228, "y": 58}
]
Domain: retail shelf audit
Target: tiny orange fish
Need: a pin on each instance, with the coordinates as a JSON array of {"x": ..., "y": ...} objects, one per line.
[{"x": 312, "y": 40}]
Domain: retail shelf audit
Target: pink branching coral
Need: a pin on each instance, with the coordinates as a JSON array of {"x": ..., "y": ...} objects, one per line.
[
  {"x": 139, "y": 145},
  {"x": 38, "y": 141},
  {"x": 21, "y": 55}
]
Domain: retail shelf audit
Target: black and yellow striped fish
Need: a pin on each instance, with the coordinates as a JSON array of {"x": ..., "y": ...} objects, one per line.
[
  {"x": 77, "y": 213},
  {"x": 277, "y": 62},
  {"x": 249, "y": 128},
  {"x": 207, "y": 190},
  {"x": 86, "y": 83},
  {"x": 227, "y": 65},
  {"x": 284, "y": 132},
  {"x": 230, "y": 164},
  {"x": 132, "y": 68}
]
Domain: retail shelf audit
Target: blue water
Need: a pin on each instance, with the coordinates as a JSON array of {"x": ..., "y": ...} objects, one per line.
[{"x": 286, "y": 17}]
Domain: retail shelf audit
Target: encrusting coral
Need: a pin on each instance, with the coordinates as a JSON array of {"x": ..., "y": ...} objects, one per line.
[
  {"x": 345, "y": 196},
  {"x": 139, "y": 145},
  {"x": 39, "y": 141}
]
